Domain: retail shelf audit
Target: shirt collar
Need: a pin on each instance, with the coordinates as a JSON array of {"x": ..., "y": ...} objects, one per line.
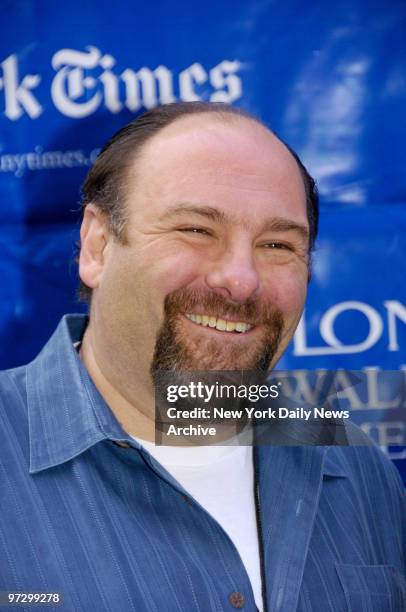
[
  {"x": 334, "y": 462},
  {"x": 66, "y": 413}
]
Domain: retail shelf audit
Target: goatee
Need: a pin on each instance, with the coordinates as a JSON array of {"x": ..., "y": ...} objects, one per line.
[{"x": 176, "y": 352}]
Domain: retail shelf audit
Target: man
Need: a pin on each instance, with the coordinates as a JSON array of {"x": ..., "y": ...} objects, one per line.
[{"x": 198, "y": 225}]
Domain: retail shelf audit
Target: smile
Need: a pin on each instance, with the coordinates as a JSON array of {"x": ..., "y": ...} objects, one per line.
[{"x": 219, "y": 324}]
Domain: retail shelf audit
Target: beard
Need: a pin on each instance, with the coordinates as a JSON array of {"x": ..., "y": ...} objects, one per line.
[{"x": 175, "y": 351}]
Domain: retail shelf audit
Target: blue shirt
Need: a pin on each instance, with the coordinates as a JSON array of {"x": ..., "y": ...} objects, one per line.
[{"x": 87, "y": 512}]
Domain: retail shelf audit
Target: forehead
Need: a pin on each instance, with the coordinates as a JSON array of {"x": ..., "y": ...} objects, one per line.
[{"x": 231, "y": 163}]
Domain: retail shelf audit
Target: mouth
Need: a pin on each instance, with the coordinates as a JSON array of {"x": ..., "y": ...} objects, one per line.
[{"x": 220, "y": 324}]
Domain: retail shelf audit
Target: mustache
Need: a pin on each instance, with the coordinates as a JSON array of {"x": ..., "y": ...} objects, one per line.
[{"x": 193, "y": 301}]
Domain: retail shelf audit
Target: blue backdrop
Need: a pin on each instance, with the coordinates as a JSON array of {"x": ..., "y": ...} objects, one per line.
[{"x": 329, "y": 78}]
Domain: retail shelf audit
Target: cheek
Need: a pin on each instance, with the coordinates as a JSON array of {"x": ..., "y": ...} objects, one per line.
[
  {"x": 137, "y": 281},
  {"x": 174, "y": 271},
  {"x": 287, "y": 290}
]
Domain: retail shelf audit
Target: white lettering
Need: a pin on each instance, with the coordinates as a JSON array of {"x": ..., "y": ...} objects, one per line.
[
  {"x": 111, "y": 85},
  {"x": 70, "y": 83},
  {"x": 221, "y": 413},
  {"x": 147, "y": 87},
  {"x": 395, "y": 309},
  {"x": 322, "y": 413},
  {"x": 335, "y": 346},
  {"x": 191, "y": 430},
  {"x": 18, "y": 96},
  {"x": 194, "y": 74},
  {"x": 85, "y": 80},
  {"x": 222, "y": 76},
  {"x": 373, "y": 386}
]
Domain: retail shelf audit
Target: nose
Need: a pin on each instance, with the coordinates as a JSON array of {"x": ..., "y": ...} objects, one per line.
[{"x": 234, "y": 275}]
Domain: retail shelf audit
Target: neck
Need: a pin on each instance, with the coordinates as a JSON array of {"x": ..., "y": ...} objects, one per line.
[{"x": 135, "y": 416}]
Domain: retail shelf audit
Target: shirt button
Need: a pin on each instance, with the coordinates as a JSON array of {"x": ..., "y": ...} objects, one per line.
[{"x": 237, "y": 599}]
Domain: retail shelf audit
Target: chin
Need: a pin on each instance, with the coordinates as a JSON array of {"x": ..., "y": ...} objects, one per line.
[{"x": 216, "y": 358}]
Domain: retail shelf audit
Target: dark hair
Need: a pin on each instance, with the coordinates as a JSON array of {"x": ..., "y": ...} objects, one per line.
[{"x": 105, "y": 182}]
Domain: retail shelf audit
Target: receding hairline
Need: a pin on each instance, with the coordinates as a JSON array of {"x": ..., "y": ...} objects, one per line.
[{"x": 217, "y": 115}]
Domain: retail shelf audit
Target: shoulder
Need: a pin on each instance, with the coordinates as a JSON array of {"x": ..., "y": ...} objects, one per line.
[
  {"x": 13, "y": 406},
  {"x": 13, "y": 386},
  {"x": 372, "y": 474}
]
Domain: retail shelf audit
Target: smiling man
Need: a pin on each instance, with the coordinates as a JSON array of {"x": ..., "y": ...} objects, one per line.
[
  {"x": 198, "y": 226},
  {"x": 213, "y": 224}
]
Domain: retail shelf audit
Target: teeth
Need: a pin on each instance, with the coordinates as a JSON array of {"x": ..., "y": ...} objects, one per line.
[
  {"x": 220, "y": 324},
  {"x": 242, "y": 327}
]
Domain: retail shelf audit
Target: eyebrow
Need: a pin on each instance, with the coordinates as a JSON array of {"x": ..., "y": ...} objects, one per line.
[
  {"x": 275, "y": 224},
  {"x": 208, "y": 212},
  {"x": 280, "y": 224}
]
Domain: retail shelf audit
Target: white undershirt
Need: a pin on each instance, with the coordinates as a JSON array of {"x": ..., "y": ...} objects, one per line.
[{"x": 221, "y": 479}]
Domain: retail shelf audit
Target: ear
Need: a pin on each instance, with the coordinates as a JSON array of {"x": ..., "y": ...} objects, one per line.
[{"x": 94, "y": 237}]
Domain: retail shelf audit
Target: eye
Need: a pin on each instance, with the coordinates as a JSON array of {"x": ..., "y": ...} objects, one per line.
[
  {"x": 277, "y": 245},
  {"x": 195, "y": 230}
]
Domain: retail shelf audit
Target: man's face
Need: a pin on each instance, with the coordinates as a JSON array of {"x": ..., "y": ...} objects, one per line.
[{"x": 214, "y": 272}]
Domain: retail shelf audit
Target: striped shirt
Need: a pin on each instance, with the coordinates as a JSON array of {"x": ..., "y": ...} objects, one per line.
[{"x": 87, "y": 512}]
